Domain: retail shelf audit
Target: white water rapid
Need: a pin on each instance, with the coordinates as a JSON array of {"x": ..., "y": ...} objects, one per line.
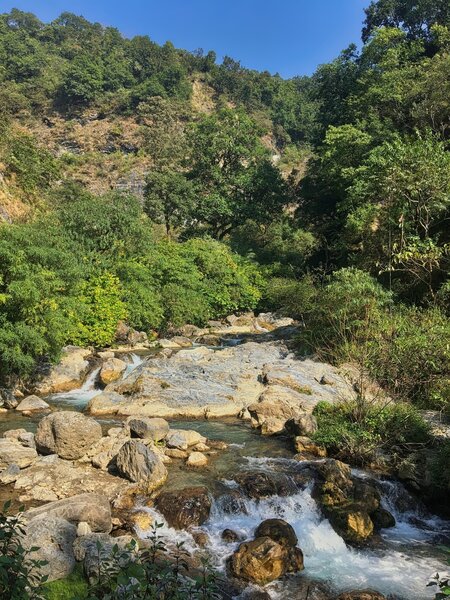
[{"x": 401, "y": 566}]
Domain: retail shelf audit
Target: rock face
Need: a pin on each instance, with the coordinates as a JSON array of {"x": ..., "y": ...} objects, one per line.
[
  {"x": 54, "y": 537},
  {"x": 32, "y": 404},
  {"x": 189, "y": 507},
  {"x": 68, "y": 434},
  {"x": 140, "y": 464},
  {"x": 68, "y": 374},
  {"x": 112, "y": 370},
  {"x": 147, "y": 428},
  {"x": 93, "y": 509},
  {"x": 202, "y": 382},
  {"x": 263, "y": 560}
]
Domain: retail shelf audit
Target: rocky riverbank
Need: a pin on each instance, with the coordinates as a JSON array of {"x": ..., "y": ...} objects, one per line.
[{"x": 271, "y": 511}]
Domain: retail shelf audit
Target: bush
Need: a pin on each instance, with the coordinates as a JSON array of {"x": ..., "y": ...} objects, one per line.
[
  {"x": 351, "y": 434},
  {"x": 294, "y": 298},
  {"x": 99, "y": 308}
]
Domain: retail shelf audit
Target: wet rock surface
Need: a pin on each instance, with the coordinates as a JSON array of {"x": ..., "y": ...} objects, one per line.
[{"x": 189, "y": 507}]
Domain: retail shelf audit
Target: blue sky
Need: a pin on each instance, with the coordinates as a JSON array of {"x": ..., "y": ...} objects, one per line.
[{"x": 290, "y": 37}]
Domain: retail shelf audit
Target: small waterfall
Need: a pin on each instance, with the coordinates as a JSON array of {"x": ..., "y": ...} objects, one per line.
[
  {"x": 135, "y": 361},
  {"x": 78, "y": 398}
]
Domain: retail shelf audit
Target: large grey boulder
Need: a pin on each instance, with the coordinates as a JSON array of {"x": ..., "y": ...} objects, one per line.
[
  {"x": 68, "y": 434},
  {"x": 140, "y": 464},
  {"x": 155, "y": 429},
  {"x": 13, "y": 453},
  {"x": 54, "y": 537},
  {"x": 93, "y": 509}
]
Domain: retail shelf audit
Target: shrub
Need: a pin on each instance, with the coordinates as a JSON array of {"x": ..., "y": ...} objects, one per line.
[
  {"x": 34, "y": 167},
  {"x": 358, "y": 436},
  {"x": 99, "y": 309},
  {"x": 294, "y": 298}
]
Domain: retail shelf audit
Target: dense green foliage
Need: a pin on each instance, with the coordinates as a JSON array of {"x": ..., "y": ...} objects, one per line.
[
  {"x": 325, "y": 197},
  {"x": 359, "y": 438}
]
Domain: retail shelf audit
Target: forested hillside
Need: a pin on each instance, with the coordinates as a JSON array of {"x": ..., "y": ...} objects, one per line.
[{"x": 152, "y": 184}]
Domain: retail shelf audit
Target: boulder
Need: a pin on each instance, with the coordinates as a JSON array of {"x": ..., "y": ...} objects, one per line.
[
  {"x": 270, "y": 417},
  {"x": 209, "y": 340},
  {"x": 382, "y": 519},
  {"x": 140, "y": 464},
  {"x": 68, "y": 434},
  {"x": 54, "y": 538},
  {"x": 228, "y": 535},
  {"x": 147, "y": 428},
  {"x": 105, "y": 403},
  {"x": 51, "y": 478},
  {"x": 278, "y": 530},
  {"x": 263, "y": 560},
  {"x": 175, "y": 453},
  {"x": 259, "y": 484},
  {"x": 93, "y": 509},
  {"x": 185, "y": 508},
  {"x": 197, "y": 459},
  {"x": 68, "y": 374},
  {"x": 13, "y": 453},
  {"x": 183, "y": 438},
  {"x": 8, "y": 400},
  {"x": 304, "y": 425},
  {"x": 112, "y": 370},
  {"x": 346, "y": 502},
  {"x": 32, "y": 404},
  {"x": 96, "y": 548},
  {"x": 307, "y": 449}
]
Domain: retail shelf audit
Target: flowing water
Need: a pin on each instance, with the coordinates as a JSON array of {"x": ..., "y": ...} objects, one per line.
[{"x": 400, "y": 564}]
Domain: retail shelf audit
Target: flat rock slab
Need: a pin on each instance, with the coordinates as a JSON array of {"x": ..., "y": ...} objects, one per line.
[
  {"x": 51, "y": 478},
  {"x": 93, "y": 509},
  {"x": 203, "y": 382}
]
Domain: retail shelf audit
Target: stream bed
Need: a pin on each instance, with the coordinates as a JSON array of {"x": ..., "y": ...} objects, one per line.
[{"x": 398, "y": 563}]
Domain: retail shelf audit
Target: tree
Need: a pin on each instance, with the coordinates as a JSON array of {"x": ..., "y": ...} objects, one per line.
[
  {"x": 414, "y": 16},
  {"x": 83, "y": 81},
  {"x": 399, "y": 209},
  {"x": 235, "y": 179},
  {"x": 169, "y": 199}
]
